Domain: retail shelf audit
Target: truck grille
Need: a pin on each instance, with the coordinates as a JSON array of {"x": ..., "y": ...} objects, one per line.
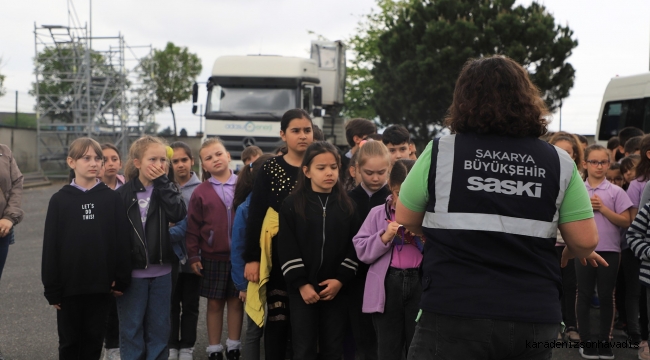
[{"x": 236, "y": 144}]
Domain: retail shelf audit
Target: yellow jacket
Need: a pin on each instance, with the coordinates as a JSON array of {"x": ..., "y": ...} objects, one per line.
[{"x": 256, "y": 293}]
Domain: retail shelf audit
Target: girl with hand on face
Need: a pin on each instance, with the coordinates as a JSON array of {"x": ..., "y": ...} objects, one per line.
[
  {"x": 86, "y": 253},
  {"x": 317, "y": 258},
  {"x": 209, "y": 229},
  {"x": 273, "y": 184},
  {"x": 152, "y": 201}
]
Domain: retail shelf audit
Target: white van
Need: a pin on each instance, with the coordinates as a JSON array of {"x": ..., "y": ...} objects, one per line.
[{"x": 626, "y": 102}]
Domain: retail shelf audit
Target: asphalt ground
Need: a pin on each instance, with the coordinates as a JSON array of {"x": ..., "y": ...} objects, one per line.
[{"x": 28, "y": 323}]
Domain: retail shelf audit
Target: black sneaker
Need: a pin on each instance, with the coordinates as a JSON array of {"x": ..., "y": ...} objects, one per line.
[
  {"x": 605, "y": 351},
  {"x": 216, "y": 356},
  {"x": 634, "y": 341},
  {"x": 233, "y": 354},
  {"x": 589, "y": 350}
]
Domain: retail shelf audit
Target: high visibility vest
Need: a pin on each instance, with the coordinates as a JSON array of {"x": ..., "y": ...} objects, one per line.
[{"x": 491, "y": 224}]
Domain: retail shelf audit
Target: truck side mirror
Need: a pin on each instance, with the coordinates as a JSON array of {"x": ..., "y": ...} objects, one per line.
[
  {"x": 195, "y": 96},
  {"x": 318, "y": 96},
  {"x": 318, "y": 112}
]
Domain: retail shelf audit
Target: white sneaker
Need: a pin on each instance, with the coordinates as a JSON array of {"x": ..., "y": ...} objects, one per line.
[
  {"x": 173, "y": 354},
  {"x": 112, "y": 354},
  {"x": 186, "y": 354}
]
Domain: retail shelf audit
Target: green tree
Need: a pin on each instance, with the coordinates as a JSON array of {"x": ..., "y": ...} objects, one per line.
[
  {"x": 166, "y": 132},
  {"x": 175, "y": 70},
  {"x": 409, "y": 55},
  {"x": 63, "y": 83}
]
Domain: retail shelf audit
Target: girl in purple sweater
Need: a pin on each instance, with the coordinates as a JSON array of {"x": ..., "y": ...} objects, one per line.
[
  {"x": 210, "y": 217},
  {"x": 392, "y": 291}
]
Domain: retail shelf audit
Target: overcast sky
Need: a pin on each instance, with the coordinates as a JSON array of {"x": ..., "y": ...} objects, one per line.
[{"x": 613, "y": 38}]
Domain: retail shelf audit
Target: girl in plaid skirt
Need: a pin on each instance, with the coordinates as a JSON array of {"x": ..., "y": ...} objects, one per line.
[{"x": 209, "y": 228}]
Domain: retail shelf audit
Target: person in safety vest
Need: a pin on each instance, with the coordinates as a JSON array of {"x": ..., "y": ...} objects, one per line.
[{"x": 489, "y": 199}]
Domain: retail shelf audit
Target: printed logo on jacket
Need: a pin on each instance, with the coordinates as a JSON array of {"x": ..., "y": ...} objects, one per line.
[
  {"x": 498, "y": 162},
  {"x": 88, "y": 211},
  {"x": 513, "y": 177}
]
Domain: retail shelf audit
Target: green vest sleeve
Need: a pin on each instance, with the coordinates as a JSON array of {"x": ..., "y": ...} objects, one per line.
[{"x": 414, "y": 192}]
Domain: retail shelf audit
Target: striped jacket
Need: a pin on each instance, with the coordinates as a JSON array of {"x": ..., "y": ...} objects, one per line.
[
  {"x": 638, "y": 237},
  {"x": 318, "y": 246}
]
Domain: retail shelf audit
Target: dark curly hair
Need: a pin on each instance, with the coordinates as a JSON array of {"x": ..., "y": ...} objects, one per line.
[{"x": 494, "y": 95}]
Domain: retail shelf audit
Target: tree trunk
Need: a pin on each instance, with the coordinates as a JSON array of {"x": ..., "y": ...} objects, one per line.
[{"x": 174, "y": 118}]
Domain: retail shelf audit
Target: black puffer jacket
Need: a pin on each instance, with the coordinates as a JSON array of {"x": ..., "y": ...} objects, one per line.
[
  {"x": 317, "y": 247},
  {"x": 166, "y": 206}
]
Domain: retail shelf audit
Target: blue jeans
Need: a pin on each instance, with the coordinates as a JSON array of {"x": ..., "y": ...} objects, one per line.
[
  {"x": 144, "y": 313},
  {"x": 449, "y": 337},
  {"x": 4, "y": 249},
  {"x": 396, "y": 325}
]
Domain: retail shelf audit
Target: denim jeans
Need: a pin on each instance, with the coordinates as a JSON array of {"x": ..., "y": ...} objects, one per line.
[
  {"x": 396, "y": 325},
  {"x": 441, "y": 337},
  {"x": 4, "y": 248},
  {"x": 363, "y": 330},
  {"x": 144, "y": 312}
]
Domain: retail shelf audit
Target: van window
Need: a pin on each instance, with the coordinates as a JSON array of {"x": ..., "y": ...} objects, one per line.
[{"x": 623, "y": 113}]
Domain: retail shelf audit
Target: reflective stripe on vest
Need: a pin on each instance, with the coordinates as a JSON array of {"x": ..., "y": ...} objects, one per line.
[{"x": 441, "y": 218}]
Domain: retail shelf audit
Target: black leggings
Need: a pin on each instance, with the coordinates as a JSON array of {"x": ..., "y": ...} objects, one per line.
[
  {"x": 569, "y": 288},
  {"x": 605, "y": 277}
]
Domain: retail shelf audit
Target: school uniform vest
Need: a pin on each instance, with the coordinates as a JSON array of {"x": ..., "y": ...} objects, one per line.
[{"x": 490, "y": 224}]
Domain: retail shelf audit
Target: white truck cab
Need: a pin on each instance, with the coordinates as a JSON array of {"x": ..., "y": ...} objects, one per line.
[{"x": 247, "y": 96}]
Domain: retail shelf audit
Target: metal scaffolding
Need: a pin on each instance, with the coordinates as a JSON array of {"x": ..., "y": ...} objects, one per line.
[{"x": 88, "y": 86}]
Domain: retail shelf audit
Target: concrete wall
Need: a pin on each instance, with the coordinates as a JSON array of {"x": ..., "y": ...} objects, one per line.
[{"x": 24, "y": 149}]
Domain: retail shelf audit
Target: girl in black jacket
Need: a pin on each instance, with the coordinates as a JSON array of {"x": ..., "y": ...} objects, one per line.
[
  {"x": 152, "y": 201},
  {"x": 317, "y": 257}
]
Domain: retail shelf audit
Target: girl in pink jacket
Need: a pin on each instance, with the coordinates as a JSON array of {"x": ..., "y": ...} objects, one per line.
[{"x": 392, "y": 290}]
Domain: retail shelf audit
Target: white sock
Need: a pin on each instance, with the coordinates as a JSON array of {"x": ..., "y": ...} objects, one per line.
[
  {"x": 233, "y": 344},
  {"x": 214, "y": 349}
]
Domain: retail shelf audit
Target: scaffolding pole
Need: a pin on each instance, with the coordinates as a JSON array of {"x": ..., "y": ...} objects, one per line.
[{"x": 83, "y": 85}]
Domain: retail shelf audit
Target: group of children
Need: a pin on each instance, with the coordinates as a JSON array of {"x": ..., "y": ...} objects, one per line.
[
  {"x": 615, "y": 177},
  {"x": 304, "y": 243},
  {"x": 322, "y": 271}
]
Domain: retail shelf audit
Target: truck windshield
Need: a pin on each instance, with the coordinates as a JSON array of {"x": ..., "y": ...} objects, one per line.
[{"x": 251, "y": 101}]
